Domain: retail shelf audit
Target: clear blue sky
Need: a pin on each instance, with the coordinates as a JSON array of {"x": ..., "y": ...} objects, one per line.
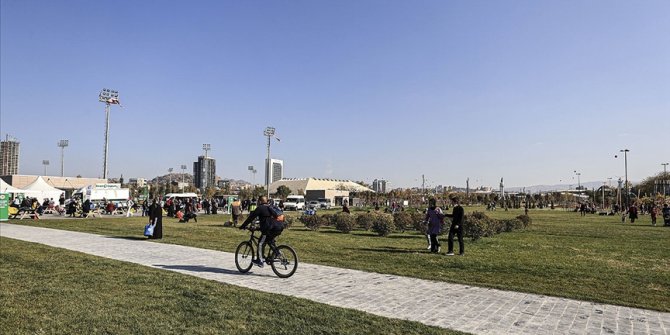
[{"x": 525, "y": 90}]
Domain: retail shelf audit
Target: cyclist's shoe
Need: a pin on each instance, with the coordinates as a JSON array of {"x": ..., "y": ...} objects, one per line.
[{"x": 258, "y": 263}]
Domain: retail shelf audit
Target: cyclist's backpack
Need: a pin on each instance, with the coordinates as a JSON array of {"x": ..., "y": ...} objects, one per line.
[{"x": 277, "y": 225}]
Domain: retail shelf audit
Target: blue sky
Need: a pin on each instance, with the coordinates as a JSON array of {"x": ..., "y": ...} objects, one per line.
[{"x": 526, "y": 90}]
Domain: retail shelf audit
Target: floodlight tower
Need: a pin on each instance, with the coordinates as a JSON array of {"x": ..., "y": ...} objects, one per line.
[
  {"x": 665, "y": 176},
  {"x": 625, "y": 157},
  {"x": 183, "y": 169},
  {"x": 579, "y": 184},
  {"x": 62, "y": 144},
  {"x": 269, "y": 132},
  {"x": 45, "y": 163},
  {"x": 109, "y": 97},
  {"x": 251, "y": 170}
]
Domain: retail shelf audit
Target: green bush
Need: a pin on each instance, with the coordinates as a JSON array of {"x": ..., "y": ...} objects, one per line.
[
  {"x": 326, "y": 220},
  {"x": 509, "y": 225},
  {"x": 525, "y": 220},
  {"x": 478, "y": 225},
  {"x": 288, "y": 221},
  {"x": 312, "y": 222},
  {"x": 343, "y": 222},
  {"x": 383, "y": 224},
  {"x": 365, "y": 220},
  {"x": 419, "y": 220},
  {"x": 402, "y": 221}
]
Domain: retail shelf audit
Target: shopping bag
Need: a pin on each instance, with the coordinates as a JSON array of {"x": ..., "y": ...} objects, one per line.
[{"x": 149, "y": 229}]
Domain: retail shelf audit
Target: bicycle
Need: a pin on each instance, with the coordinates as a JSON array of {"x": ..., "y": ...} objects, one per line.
[{"x": 282, "y": 258}]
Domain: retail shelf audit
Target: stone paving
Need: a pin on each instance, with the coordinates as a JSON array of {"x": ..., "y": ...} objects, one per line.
[{"x": 460, "y": 307}]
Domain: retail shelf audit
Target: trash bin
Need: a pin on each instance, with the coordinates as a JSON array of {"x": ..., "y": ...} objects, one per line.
[{"x": 4, "y": 206}]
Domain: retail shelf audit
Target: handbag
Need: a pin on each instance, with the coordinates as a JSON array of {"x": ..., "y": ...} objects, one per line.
[{"x": 149, "y": 229}]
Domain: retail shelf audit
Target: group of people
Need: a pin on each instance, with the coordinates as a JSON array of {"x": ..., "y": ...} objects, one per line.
[{"x": 435, "y": 222}]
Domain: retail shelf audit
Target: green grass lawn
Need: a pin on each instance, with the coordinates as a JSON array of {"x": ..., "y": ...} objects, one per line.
[
  {"x": 595, "y": 258},
  {"x": 45, "y": 290}
]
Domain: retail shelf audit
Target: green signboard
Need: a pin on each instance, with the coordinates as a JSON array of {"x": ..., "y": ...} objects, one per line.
[{"x": 4, "y": 206}]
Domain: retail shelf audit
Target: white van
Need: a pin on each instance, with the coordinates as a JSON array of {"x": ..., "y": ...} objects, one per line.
[{"x": 294, "y": 203}]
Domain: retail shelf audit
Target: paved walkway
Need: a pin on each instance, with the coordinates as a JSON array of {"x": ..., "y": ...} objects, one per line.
[{"x": 480, "y": 310}]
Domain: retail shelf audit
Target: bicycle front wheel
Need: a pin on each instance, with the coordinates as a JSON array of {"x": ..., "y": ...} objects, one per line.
[
  {"x": 285, "y": 261},
  {"x": 244, "y": 254}
]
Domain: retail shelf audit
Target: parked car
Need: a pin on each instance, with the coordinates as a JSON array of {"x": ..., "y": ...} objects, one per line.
[
  {"x": 324, "y": 203},
  {"x": 294, "y": 203},
  {"x": 313, "y": 205}
]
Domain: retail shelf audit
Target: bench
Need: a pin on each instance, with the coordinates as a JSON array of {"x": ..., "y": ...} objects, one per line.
[{"x": 22, "y": 212}]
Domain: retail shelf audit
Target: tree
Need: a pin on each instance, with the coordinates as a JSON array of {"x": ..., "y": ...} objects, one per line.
[{"x": 283, "y": 191}]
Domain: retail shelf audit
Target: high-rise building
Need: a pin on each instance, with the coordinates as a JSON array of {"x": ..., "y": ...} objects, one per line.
[
  {"x": 9, "y": 156},
  {"x": 379, "y": 185},
  {"x": 276, "y": 170},
  {"x": 204, "y": 172}
]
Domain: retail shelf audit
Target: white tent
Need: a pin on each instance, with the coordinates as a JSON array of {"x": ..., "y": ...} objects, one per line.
[
  {"x": 6, "y": 188},
  {"x": 41, "y": 190}
]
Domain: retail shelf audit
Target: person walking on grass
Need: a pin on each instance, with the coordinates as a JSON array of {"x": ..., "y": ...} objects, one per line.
[
  {"x": 156, "y": 218},
  {"x": 456, "y": 228},
  {"x": 434, "y": 217}
]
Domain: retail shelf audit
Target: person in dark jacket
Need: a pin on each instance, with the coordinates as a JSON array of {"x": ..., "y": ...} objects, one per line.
[
  {"x": 434, "y": 217},
  {"x": 266, "y": 218},
  {"x": 456, "y": 228},
  {"x": 156, "y": 218}
]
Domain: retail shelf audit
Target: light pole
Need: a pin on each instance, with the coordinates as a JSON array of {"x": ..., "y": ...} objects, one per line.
[
  {"x": 269, "y": 132},
  {"x": 183, "y": 169},
  {"x": 207, "y": 147},
  {"x": 45, "y": 163},
  {"x": 62, "y": 144},
  {"x": 665, "y": 177},
  {"x": 250, "y": 168},
  {"x": 170, "y": 176},
  {"x": 625, "y": 159},
  {"x": 109, "y": 97},
  {"x": 579, "y": 185}
]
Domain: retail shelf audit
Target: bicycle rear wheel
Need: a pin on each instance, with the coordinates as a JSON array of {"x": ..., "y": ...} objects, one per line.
[
  {"x": 285, "y": 261},
  {"x": 244, "y": 254}
]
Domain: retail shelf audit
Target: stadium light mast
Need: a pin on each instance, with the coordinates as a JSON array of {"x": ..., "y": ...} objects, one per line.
[
  {"x": 183, "y": 169},
  {"x": 62, "y": 144},
  {"x": 45, "y": 163},
  {"x": 625, "y": 157},
  {"x": 269, "y": 132},
  {"x": 109, "y": 97},
  {"x": 579, "y": 184}
]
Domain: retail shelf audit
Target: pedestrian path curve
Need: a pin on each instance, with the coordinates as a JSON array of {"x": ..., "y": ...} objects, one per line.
[{"x": 459, "y": 307}]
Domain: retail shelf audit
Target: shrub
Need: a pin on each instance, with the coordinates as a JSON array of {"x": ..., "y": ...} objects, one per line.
[
  {"x": 509, "y": 225},
  {"x": 402, "y": 220},
  {"x": 327, "y": 220},
  {"x": 477, "y": 225},
  {"x": 419, "y": 221},
  {"x": 343, "y": 222},
  {"x": 525, "y": 220},
  {"x": 288, "y": 221},
  {"x": 312, "y": 222},
  {"x": 383, "y": 224},
  {"x": 365, "y": 220}
]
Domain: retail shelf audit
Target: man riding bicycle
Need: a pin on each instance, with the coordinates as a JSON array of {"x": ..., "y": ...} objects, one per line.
[{"x": 266, "y": 218}]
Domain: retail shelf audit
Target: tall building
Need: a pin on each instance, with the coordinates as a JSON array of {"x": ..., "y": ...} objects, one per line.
[
  {"x": 9, "y": 156},
  {"x": 204, "y": 172},
  {"x": 379, "y": 185},
  {"x": 276, "y": 170}
]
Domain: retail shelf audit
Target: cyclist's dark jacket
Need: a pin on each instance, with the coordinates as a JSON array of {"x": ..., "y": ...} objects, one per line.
[{"x": 264, "y": 215}]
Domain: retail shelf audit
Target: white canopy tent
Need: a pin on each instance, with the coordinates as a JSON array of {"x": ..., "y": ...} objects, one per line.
[
  {"x": 41, "y": 190},
  {"x": 6, "y": 188}
]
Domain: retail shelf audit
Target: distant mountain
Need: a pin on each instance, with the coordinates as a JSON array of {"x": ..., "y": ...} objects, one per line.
[
  {"x": 558, "y": 187},
  {"x": 175, "y": 177}
]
